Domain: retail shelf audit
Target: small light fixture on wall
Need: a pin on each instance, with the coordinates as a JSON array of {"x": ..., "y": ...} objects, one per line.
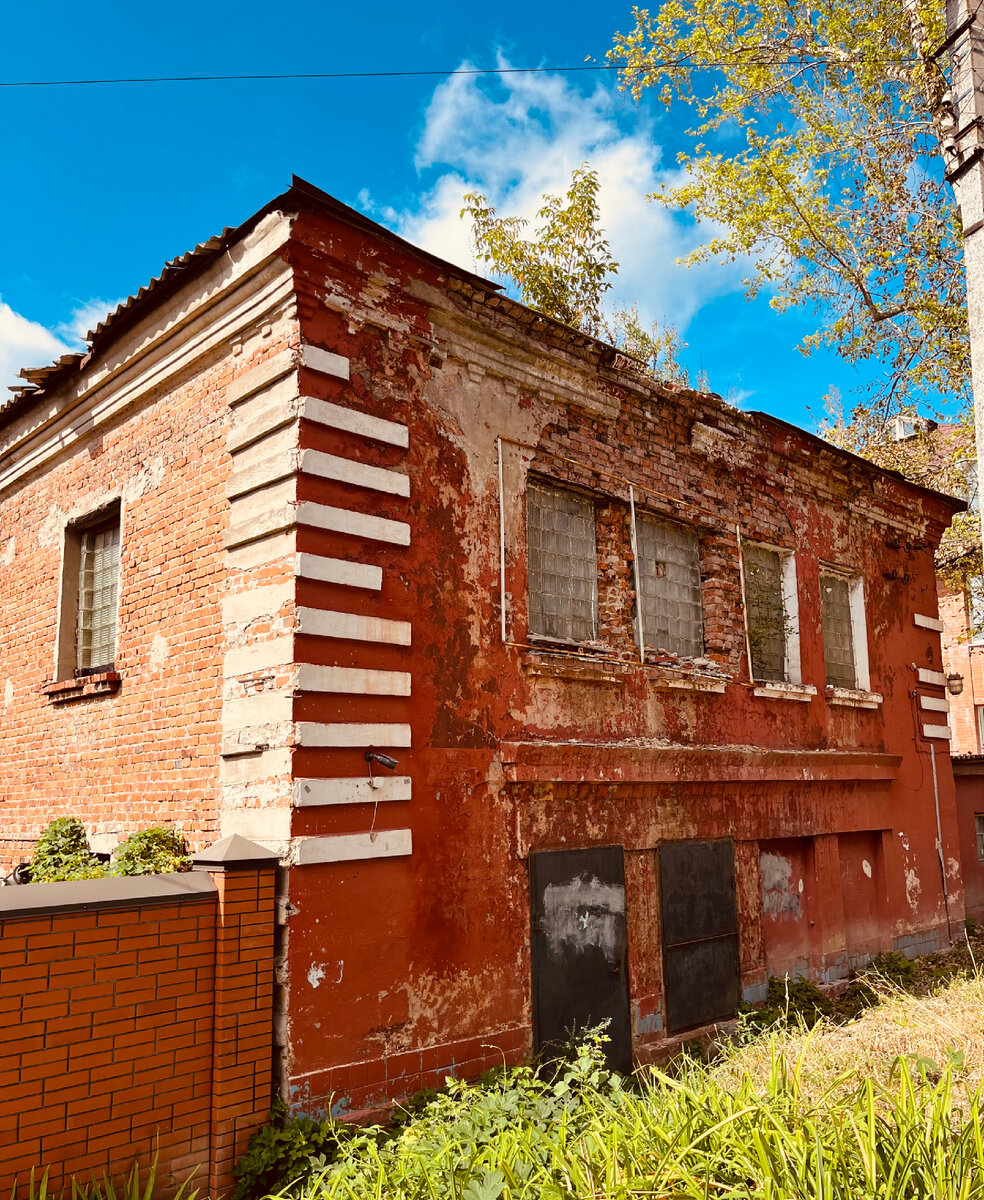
[
  {"x": 383, "y": 760},
  {"x": 954, "y": 684}
]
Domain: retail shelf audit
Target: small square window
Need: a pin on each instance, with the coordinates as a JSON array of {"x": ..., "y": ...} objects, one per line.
[
  {"x": 842, "y": 612},
  {"x": 669, "y": 579},
  {"x": 979, "y": 825},
  {"x": 563, "y": 564}
]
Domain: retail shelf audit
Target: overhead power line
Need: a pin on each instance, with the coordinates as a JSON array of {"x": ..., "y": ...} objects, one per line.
[{"x": 790, "y": 62}]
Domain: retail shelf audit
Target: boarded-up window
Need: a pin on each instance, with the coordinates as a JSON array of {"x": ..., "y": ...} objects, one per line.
[
  {"x": 765, "y": 612},
  {"x": 98, "y": 580},
  {"x": 563, "y": 564},
  {"x": 669, "y": 578},
  {"x": 838, "y": 635},
  {"x": 979, "y": 825}
]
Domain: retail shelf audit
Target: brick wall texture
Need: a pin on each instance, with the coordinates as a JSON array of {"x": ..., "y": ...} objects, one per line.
[{"x": 134, "y": 1030}]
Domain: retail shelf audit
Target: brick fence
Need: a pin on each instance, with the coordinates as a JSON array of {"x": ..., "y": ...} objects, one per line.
[{"x": 137, "y": 1016}]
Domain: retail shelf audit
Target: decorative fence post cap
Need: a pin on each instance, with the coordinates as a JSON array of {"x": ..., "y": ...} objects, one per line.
[{"x": 234, "y": 853}]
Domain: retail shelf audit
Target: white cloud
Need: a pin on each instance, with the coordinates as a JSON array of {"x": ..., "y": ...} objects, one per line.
[
  {"x": 24, "y": 343},
  {"x": 27, "y": 343},
  {"x": 516, "y": 137}
]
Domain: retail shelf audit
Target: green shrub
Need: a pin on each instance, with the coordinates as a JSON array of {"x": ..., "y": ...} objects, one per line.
[
  {"x": 154, "y": 851},
  {"x": 62, "y": 853},
  {"x": 894, "y": 967},
  {"x": 289, "y": 1150}
]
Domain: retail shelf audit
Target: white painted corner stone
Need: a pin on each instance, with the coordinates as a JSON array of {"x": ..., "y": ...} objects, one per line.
[
  {"x": 356, "y": 681},
  {"x": 352, "y": 847},
  {"x": 356, "y": 474},
  {"x": 934, "y": 677},
  {"x": 928, "y": 622},
  {"x": 355, "y": 524},
  {"x": 324, "y": 361},
  {"x": 312, "y": 793},
  {"x": 937, "y": 731},
  {"x": 323, "y": 622},
  {"x": 350, "y": 420},
  {"x": 339, "y": 570},
  {"x": 313, "y": 734}
]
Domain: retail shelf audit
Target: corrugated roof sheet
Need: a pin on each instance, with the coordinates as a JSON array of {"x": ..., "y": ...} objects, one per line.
[{"x": 38, "y": 378}]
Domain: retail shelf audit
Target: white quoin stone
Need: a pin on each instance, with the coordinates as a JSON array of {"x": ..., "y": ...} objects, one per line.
[
  {"x": 355, "y": 524},
  {"x": 312, "y": 793},
  {"x": 361, "y": 681},
  {"x": 353, "y": 847},
  {"x": 324, "y": 361},
  {"x": 928, "y": 622},
  {"x": 323, "y": 412},
  {"x": 937, "y": 731},
  {"x": 323, "y": 622},
  {"x": 346, "y": 470},
  {"x": 935, "y": 677},
  {"x": 314, "y": 734},
  {"x": 339, "y": 570}
]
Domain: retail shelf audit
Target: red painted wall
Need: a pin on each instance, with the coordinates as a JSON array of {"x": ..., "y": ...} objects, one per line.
[{"x": 517, "y": 750}]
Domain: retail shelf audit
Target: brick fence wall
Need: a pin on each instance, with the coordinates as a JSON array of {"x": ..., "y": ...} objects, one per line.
[{"x": 137, "y": 1016}]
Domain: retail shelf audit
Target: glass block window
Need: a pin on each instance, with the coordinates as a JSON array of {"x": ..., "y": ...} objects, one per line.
[
  {"x": 669, "y": 579},
  {"x": 765, "y": 612},
  {"x": 838, "y": 634},
  {"x": 98, "y": 580},
  {"x": 980, "y": 727},
  {"x": 563, "y": 564},
  {"x": 979, "y": 823}
]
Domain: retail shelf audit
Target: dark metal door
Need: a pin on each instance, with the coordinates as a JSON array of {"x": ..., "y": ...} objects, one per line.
[
  {"x": 580, "y": 948},
  {"x": 700, "y": 932}
]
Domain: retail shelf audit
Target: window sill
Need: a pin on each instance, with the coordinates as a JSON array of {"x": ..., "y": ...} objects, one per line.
[
  {"x": 540, "y": 663},
  {"x": 687, "y": 683},
  {"x": 781, "y": 690},
  {"x": 65, "y": 691},
  {"x": 852, "y": 697}
]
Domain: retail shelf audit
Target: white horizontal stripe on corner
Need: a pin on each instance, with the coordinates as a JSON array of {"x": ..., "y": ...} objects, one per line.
[
  {"x": 928, "y": 622},
  {"x": 937, "y": 731},
  {"x": 323, "y": 412},
  {"x": 314, "y": 734},
  {"x": 935, "y": 677},
  {"x": 315, "y": 792},
  {"x": 356, "y": 524},
  {"x": 324, "y": 622},
  {"x": 934, "y": 704},
  {"x": 324, "y": 361},
  {"x": 347, "y": 470},
  {"x": 357, "y": 681},
  {"x": 353, "y": 847},
  {"x": 339, "y": 570}
]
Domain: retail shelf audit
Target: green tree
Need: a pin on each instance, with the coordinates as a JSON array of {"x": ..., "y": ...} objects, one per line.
[
  {"x": 812, "y": 156},
  {"x": 566, "y": 269}
]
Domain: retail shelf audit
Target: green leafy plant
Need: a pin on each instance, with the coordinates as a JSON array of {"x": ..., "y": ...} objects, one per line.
[
  {"x": 286, "y": 1152},
  {"x": 132, "y": 1188},
  {"x": 62, "y": 853},
  {"x": 154, "y": 851}
]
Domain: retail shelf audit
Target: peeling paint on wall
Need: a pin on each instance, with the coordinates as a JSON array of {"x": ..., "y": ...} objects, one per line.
[
  {"x": 780, "y": 896},
  {"x": 582, "y": 913}
]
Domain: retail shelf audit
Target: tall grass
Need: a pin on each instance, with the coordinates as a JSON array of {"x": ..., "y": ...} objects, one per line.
[{"x": 700, "y": 1132}]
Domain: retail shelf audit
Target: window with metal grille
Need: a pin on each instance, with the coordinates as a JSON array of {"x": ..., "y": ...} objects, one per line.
[
  {"x": 838, "y": 631},
  {"x": 765, "y": 611},
  {"x": 563, "y": 564},
  {"x": 669, "y": 579},
  {"x": 979, "y": 823},
  {"x": 99, "y": 570}
]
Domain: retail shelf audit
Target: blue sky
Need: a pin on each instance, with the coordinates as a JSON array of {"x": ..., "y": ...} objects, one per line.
[{"x": 102, "y": 184}]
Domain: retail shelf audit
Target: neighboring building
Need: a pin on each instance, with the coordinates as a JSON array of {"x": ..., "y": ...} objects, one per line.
[{"x": 315, "y": 494}]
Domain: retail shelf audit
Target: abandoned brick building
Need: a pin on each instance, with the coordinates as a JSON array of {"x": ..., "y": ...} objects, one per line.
[{"x": 662, "y": 679}]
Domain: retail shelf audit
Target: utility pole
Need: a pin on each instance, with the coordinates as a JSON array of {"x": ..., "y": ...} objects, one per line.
[{"x": 959, "y": 117}]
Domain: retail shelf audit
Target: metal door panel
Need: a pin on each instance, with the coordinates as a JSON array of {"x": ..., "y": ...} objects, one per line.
[
  {"x": 699, "y": 918},
  {"x": 580, "y": 948}
]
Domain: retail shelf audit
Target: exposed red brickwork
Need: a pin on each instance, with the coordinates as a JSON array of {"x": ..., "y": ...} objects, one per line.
[
  {"x": 135, "y": 1030},
  {"x": 962, "y": 656},
  {"x": 143, "y": 749}
]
